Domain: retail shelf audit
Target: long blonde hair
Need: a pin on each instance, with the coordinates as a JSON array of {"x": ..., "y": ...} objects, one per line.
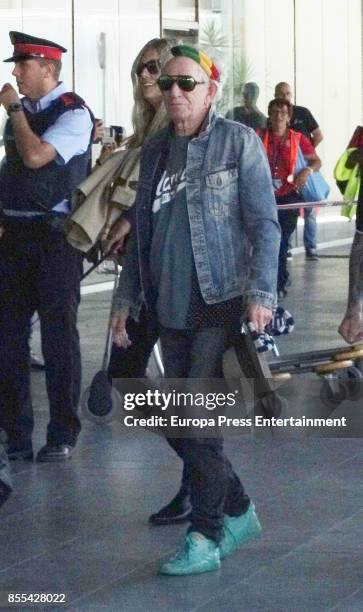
[{"x": 145, "y": 119}]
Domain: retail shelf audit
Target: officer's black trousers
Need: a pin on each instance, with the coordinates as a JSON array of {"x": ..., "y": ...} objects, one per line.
[{"x": 39, "y": 271}]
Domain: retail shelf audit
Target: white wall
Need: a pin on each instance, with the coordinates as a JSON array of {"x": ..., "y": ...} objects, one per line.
[
  {"x": 269, "y": 43},
  {"x": 329, "y": 71},
  {"x": 127, "y": 30},
  {"x": 39, "y": 18},
  {"x": 328, "y": 47}
]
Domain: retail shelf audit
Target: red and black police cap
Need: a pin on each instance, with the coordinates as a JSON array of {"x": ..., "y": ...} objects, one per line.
[{"x": 31, "y": 47}]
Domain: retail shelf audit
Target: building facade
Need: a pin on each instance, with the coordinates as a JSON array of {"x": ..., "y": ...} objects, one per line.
[{"x": 315, "y": 45}]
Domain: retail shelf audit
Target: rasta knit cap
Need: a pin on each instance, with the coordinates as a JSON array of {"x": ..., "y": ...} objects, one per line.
[{"x": 201, "y": 58}]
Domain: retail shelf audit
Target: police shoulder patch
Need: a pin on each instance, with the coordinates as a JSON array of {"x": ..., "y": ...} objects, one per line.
[{"x": 71, "y": 99}]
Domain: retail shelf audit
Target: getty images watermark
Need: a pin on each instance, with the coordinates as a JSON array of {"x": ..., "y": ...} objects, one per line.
[{"x": 179, "y": 408}]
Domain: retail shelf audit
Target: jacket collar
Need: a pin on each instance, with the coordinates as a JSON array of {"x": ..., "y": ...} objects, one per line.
[
  {"x": 163, "y": 138},
  {"x": 205, "y": 127}
]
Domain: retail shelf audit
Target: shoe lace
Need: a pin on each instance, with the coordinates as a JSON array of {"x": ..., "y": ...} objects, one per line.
[
  {"x": 190, "y": 542},
  {"x": 189, "y": 546},
  {"x": 185, "y": 551}
]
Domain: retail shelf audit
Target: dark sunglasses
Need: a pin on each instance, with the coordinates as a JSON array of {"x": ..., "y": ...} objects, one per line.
[
  {"x": 152, "y": 66},
  {"x": 184, "y": 82}
]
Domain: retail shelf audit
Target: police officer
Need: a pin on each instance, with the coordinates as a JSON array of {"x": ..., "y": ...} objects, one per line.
[{"x": 47, "y": 148}]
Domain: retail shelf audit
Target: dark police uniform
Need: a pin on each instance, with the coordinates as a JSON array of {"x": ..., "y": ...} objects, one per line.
[
  {"x": 5, "y": 479},
  {"x": 39, "y": 270}
]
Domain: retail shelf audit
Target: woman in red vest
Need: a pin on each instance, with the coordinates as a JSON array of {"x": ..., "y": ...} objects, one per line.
[{"x": 281, "y": 145}]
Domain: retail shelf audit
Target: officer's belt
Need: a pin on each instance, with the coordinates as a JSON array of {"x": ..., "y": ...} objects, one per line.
[{"x": 57, "y": 220}]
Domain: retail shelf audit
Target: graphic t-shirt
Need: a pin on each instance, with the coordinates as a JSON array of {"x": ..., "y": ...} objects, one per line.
[{"x": 171, "y": 257}]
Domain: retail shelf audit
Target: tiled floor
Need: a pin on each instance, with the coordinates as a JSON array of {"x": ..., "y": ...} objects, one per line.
[{"x": 81, "y": 528}]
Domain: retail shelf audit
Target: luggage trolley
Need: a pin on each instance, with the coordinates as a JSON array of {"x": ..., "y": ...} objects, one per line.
[{"x": 340, "y": 369}]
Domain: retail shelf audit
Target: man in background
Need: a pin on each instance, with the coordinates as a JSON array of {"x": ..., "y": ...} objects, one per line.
[{"x": 248, "y": 114}]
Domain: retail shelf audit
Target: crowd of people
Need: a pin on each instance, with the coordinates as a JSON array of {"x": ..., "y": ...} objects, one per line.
[
  {"x": 301, "y": 121},
  {"x": 205, "y": 246}
]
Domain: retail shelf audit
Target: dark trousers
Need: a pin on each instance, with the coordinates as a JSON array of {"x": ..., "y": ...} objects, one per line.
[
  {"x": 132, "y": 362},
  {"x": 288, "y": 222},
  {"x": 5, "y": 478},
  {"x": 39, "y": 271},
  {"x": 214, "y": 487}
]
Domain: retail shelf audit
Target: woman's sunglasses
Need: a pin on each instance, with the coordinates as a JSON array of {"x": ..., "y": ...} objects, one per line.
[
  {"x": 152, "y": 66},
  {"x": 184, "y": 82}
]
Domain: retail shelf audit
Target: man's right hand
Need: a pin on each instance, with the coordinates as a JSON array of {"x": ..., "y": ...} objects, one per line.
[
  {"x": 118, "y": 326},
  {"x": 8, "y": 95}
]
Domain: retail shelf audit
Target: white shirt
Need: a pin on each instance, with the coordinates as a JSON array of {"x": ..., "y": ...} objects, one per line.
[{"x": 69, "y": 135}]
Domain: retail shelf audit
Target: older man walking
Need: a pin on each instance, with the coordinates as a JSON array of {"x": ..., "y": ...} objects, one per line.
[{"x": 203, "y": 255}]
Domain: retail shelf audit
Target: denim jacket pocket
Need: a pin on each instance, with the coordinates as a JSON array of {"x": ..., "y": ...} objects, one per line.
[
  {"x": 222, "y": 192},
  {"x": 221, "y": 178}
]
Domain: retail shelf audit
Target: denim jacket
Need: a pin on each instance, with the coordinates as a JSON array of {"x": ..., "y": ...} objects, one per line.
[{"x": 232, "y": 214}]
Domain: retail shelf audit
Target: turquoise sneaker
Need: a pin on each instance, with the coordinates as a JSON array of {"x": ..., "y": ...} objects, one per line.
[
  {"x": 237, "y": 530},
  {"x": 198, "y": 556}
]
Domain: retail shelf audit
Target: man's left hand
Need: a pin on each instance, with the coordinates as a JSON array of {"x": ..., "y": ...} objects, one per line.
[
  {"x": 8, "y": 95},
  {"x": 113, "y": 240},
  {"x": 259, "y": 315}
]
